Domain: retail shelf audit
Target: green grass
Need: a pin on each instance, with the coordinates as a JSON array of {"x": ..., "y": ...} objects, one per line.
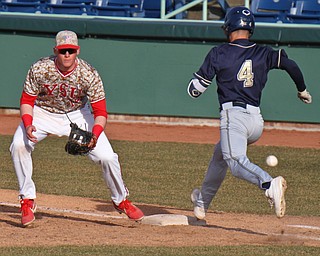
[
  {"x": 165, "y": 174},
  {"x": 162, "y": 251}
]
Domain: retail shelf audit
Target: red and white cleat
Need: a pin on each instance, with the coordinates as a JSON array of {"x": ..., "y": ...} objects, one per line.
[
  {"x": 132, "y": 211},
  {"x": 28, "y": 208}
]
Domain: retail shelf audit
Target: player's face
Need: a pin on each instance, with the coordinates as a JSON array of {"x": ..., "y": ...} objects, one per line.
[{"x": 66, "y": 58}]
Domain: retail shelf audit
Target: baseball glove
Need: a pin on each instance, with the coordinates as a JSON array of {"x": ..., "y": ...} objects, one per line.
[{"x": 78, "y": 141}]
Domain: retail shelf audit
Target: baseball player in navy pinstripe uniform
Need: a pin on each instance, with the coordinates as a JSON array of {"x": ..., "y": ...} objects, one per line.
[{"x": 241, "y": 68}]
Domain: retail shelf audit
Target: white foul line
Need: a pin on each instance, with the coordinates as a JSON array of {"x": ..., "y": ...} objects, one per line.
[
  {"x": 124, "y": 217},
  {"x": 298, "y": 236},
  {"x": 304, "y": 226},
  {"x": 69, "y": 211}
]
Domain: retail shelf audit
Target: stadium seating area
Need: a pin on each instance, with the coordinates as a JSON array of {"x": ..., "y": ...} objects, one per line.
[
  {"x": 119, "y": 8},
  {"x": 286, "y": 11},
  {"x": 274, "y": 11}
]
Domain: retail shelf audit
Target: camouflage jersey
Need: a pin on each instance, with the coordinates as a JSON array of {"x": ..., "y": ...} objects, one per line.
[{"x": 58, "y": 93}]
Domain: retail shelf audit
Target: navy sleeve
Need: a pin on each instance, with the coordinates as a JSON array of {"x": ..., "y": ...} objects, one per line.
[
  {"x": 293, "y": 70},
  {"x": 207, "y": 71}
]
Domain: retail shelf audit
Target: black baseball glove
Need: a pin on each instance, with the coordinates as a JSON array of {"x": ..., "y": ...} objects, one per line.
[{"x": 79, "y": 140}]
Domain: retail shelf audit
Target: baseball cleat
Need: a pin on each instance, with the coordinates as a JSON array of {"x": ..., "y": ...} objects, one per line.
[
  {"x": 275, "y": 195},
  {"x": 132, "y": 211},
  {"x": 28, "y": 208},
  {"x": 198, "y": 211}
]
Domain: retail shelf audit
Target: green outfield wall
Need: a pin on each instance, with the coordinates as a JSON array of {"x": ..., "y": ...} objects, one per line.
[{"x": 147, "y": 64}]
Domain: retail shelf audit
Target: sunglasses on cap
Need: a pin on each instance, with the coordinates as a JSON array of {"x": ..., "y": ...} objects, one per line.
[{"x": 64, "y": 51}]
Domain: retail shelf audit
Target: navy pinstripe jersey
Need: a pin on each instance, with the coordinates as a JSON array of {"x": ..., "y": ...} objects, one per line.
[{"x": 241, "y": 70}]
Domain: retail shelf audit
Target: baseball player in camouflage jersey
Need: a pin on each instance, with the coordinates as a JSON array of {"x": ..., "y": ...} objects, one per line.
[
  {"x": 58, "y": 89},
  {"x": 240, "y": 67}
]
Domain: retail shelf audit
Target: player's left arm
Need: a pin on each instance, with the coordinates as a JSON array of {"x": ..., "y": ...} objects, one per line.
[
  {"x": 96, "y": 96},
  {"x": 292, "y": 68},
  {"x": 99, "y": 109}
]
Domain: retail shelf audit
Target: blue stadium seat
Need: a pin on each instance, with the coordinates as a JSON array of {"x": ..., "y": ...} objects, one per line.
[
  {"x": 271, "y": 10},
  {"x": 27, "y": 6},
  {"x": 86, "y": 2},
  {"x": 118, "y": 8},
  {"x": 307, "y": 11},
  {"x": 72, "y": 7},
  {"x": 152, "y": 8}
]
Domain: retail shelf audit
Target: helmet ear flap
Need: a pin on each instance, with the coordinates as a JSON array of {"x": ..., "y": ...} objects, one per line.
[{"x": 224, "y": 28}]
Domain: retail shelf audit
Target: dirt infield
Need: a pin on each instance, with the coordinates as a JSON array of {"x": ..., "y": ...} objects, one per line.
[
  {"x": 63, "y": 220},
  {"x": 85, "y": 221}
]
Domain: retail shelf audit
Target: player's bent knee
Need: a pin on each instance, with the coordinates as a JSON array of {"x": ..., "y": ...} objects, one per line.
[
  {"x": 109, "y": 158},
  {"x": 105, "y": 158},
  {"x": 236, "y": 163},
  {"x": 19, "y": 146}
]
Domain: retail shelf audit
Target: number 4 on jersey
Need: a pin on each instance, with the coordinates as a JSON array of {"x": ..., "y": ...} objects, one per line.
[{"x": 245, "y": 74}]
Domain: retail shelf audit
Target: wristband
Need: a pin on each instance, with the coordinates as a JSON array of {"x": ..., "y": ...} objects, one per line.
[
  {"x": 97, "y": 130},
  {"x": 27, "y": 120}
]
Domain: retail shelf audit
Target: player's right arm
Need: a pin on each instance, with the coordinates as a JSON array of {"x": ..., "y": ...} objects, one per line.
[
  {"x": 27, "y": 101},
  {"x": 197, "y": 86},
  {"x": 203, "y": 78},
  {"x": 26, "y": 113},
  {"x": 292, "y": 68}
]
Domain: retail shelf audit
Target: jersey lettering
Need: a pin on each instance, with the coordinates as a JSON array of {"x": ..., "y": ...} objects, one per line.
[
  {"x": 73, "y": 89},
  {"x": 245, "y": 74},
  {"x": 50, "y": 91},
  {"x": 64, "y": 90}
]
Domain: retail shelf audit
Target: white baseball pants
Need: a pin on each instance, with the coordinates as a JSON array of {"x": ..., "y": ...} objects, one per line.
[
  {"x": 58, "y": 124},
  {"x": 239, "y": 127}
]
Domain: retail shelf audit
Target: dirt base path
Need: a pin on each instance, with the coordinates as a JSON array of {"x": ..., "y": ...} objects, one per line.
[{"x": 62, "y": 220}]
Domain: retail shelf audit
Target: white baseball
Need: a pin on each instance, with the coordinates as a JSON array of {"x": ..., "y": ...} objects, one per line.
[{"x": 272, "y": 160}]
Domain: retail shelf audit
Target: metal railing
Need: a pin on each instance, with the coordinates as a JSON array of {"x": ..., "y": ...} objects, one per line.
[
  {"x": 163, "y": 14},
  {"x": 184, "y": 8}
]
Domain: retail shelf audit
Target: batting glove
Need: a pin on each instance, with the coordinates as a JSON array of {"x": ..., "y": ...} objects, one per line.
[{"x": 305, "y": 96}]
